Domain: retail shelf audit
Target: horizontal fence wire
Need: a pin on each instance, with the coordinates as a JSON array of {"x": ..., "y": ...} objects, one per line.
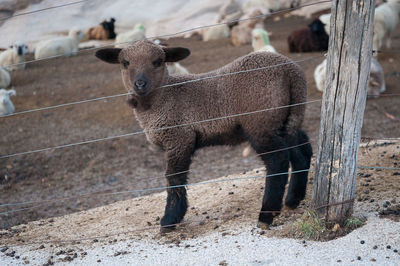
[
  {"x": 105, "y": 192},
  {"x": 138, "y": 191},
  {"x": 43, "y": 9},
  {"x": 386, "y": 51},
  {"x": 368, "y": 139},
  {"x": 164, "y": 86},
  {"x": 153, "y": 130},
  {"x": 178, "y": 33},
  {"x": 155, "y": 227},
  {"x": 175, "y": 126}
]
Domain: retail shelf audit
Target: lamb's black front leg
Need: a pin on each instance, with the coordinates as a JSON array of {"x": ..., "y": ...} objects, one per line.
[{"x": 178, "y": 162}]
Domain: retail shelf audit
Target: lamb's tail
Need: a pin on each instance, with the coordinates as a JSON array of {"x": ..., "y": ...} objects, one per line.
[{"x": 298, "y": 97}]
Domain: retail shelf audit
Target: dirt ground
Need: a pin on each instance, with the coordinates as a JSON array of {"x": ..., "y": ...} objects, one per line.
[
  {"x": 128, "y": 163},
  {"x": 230, "y": 204}
]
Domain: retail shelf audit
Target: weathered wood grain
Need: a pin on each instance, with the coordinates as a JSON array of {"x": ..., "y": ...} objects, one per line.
[{"x": 342, "y": 112}]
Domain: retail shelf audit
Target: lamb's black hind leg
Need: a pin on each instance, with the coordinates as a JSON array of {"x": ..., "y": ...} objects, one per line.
[
  {"x": 277, "y": 165},
  {"x": 300, "y": 159},
  {"x": 178, "y": 163}
]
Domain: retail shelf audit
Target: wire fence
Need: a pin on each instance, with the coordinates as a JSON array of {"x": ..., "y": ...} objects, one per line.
[
  {"x": 38, "y": 204},
  {"x": 139, "y": 191},
  {"x": 162, "y": 87},
  {"x": 158, "y": 227},
  {"x": 43, "y": 9}
]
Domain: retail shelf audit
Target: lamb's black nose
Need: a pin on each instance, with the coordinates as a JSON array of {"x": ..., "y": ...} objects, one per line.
[{"x": 140, "y": 83}]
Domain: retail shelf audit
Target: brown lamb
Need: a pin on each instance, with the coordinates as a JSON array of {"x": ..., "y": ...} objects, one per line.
[{"x": 157, "y": 104}]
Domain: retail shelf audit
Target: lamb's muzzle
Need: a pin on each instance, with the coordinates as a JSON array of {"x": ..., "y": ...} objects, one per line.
[{"x": 141, "y": 84}]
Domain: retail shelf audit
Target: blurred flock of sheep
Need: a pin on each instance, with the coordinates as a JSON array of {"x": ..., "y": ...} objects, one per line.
[{"x": 236, "y": 25}]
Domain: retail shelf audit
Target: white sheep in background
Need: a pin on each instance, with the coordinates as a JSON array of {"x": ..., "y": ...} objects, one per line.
[
  {"x": 270, "y": 5},
  {"x": 260, "y": 41},
  {"x": 215, "y": 33},
  {"x": 14, "y": 55},
  {"x": 241, "y": 34},
  {"x": 5, "y": 79},
  {"x": 124, "y": 39},
  {"x": 67, "y": 45},
  {"x": 326, "y": 19},
  {"x": 6, "y": 106},
  {"x": 173, "y": 68},
  {"x": 263, "y": 5},
  {"x": 229, "y": 12},
  {"x": 386, "y": 20},
  {"x": 176, "y": 69},
  {"x": 376, "y": 83}
]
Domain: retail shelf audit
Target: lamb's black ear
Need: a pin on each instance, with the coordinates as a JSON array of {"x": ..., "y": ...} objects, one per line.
[
  {"x": 174, "y": 54},
  {"x": 109, "y": 55}
]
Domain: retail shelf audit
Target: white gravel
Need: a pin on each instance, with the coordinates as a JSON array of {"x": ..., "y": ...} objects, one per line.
[{"x": 239, "y": 247}]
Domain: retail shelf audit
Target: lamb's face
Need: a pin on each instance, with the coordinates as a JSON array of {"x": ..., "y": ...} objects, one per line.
[
  {"x": 143, "y": 65},
  {"x": 5, "y": 95},
  {"x": 20, "y": 48},
  {"x": 143, "y": 68},
  {"x": 317, "y": 26}
]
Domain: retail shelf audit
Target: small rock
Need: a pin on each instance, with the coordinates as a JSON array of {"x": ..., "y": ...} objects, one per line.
[
  {"x": 336, "y": 227},
  {"x": 60, "y": 252},
  {"x": 4, "y": 249},
  {"x": 395, "y": 250},
  {"x": 230, "y": 193},
  {"x": 375, "y": 247},
  {"x": 362, "y": 242},
  {"x": 358, "y": 258},
  {"x": 388, "y": 247},
  {"x": 11, "y": 254}
]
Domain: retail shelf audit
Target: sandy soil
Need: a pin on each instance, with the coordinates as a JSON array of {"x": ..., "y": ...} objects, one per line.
[
  {"x": 127, "y": 163},
  {"x": 231, "y": 207}
]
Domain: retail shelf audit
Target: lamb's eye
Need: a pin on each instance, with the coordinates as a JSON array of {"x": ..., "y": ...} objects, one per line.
[
  {"x": 125, "y": 64},
  {"x": 157, "y": 63}
]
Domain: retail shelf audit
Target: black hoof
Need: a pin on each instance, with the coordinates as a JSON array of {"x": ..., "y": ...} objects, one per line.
[
  {"x": 167, "y": 229},
  {"x": 265, "y": 218},
  {"x": 292, "y": 203}
]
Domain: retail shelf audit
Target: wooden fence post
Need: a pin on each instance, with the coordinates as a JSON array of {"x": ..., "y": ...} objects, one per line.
[{"x": 342, "y": 112}]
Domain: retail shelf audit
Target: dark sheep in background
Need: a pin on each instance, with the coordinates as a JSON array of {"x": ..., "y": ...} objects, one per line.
[
  {"x": 104, "y": 31},
  {"x": 144, "y": 72},
  {"x": 110, "y": 28},
  {"x": 313, "y": 38}
]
